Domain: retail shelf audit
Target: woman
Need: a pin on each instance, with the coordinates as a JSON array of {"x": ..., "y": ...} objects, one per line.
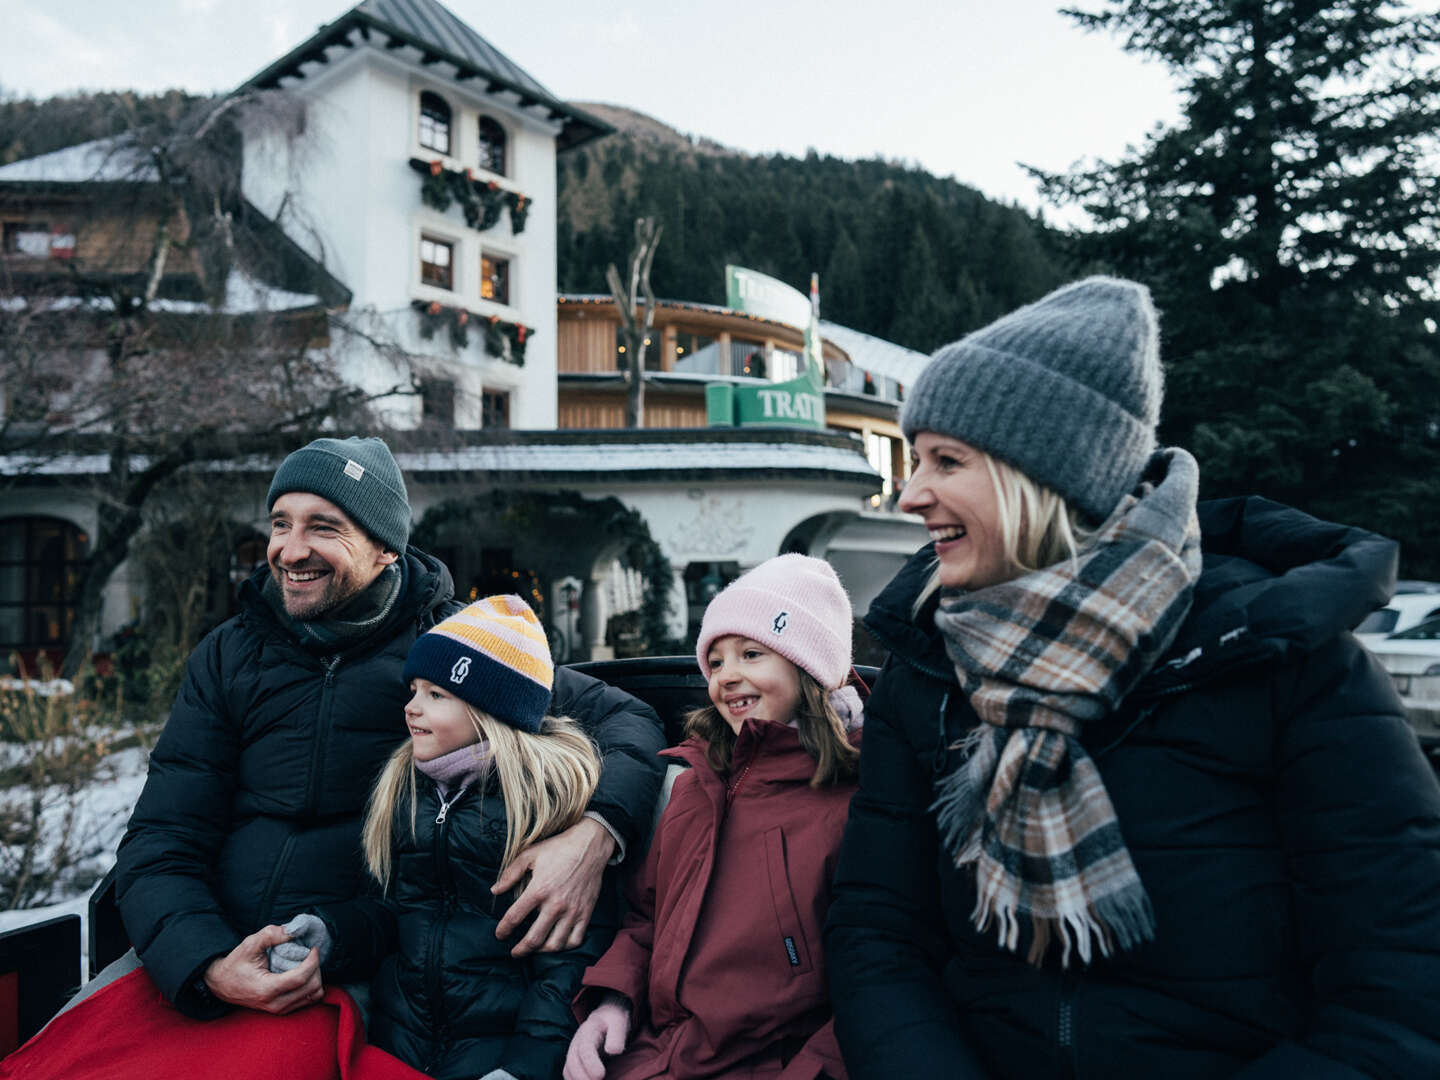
[{"x": 1125, "y": 811}]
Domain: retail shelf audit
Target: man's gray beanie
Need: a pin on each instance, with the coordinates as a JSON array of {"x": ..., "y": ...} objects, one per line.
[
  {"x": 360, "y": 476},
  {"x": 1067, "y": 390}
]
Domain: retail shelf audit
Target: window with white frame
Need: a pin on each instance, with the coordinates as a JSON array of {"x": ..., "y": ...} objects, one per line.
[
  {"x": 493, "y": 141},
  {"x": 495, "y": 278},
  {"x": 495, "y": 408},
  {"x": 437, "y": 262},
  {"x": 434, "y": 123}
]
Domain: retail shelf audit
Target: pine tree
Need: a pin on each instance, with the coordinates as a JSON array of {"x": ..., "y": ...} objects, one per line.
[{"x": 1286, "y": 225}]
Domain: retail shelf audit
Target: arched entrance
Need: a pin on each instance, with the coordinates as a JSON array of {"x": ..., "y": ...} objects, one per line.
[{"x": 589, "y": 567}]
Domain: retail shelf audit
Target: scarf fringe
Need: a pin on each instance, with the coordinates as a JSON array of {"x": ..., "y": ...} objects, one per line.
[
  {"x": 960, "y": 795},
  {"x": 1039, "y": 657},
  {"x": 1110, "y": 923}
]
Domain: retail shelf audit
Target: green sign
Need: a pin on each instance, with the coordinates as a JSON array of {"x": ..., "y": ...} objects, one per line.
[{"x": 797, "y": 403}]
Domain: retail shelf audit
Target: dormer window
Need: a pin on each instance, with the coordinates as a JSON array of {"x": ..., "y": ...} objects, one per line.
[
  {"x": 492, "y": 145},
  {"x": 434, "y": 123}
]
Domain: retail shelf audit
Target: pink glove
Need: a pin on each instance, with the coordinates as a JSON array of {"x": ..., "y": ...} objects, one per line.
[{"x": 608, "y": 1029}]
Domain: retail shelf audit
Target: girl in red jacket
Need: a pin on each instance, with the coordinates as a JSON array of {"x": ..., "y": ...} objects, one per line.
[{"x": 717, "y": 970}]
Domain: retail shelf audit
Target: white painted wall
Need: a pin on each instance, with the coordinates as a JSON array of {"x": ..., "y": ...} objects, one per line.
[{"x": 352, "y": 200}]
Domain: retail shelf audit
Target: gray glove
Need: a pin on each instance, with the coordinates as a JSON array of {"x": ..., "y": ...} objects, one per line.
[{"x": 306, "y": 932}]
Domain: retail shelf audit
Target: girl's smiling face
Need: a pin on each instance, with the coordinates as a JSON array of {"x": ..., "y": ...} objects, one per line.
[
  {"x": 439, "y": 722},
  {"x": 750, "y": 682},
  {"x": 952, "y": 489}
]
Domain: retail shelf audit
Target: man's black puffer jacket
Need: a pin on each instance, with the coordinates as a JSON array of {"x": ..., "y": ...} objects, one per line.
[
  {"x": 450, "y": 1000},
  {"x": 252, "y": 807},
  {"x": 1277, "y": 808}
]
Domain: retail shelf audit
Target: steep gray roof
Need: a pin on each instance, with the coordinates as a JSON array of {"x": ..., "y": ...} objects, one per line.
[
  {"x": 440, "y": 35},
  {"x": 433, "y": 22}
]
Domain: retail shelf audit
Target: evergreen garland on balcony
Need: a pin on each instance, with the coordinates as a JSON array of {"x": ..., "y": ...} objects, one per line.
[
  {"x": 504, "y": 340},
  {"x": 481, "y": 203}
]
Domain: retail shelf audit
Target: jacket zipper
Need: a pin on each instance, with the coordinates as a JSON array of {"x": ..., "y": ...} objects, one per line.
[
  {"x": 277, "y": 871},
  {"x": 437, "y": 932},
  {"x": 322, "y": 732},
  {"x": 1065, "y": 1027},
  {"x": 735, "y": 787}
]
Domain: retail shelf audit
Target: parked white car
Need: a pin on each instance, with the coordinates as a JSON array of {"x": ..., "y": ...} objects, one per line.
[
  {"x": 1412, "y": 657},
  {"x": 1402, "y": 612}
]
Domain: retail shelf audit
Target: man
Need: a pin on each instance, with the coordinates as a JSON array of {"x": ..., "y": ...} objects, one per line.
[{"x": 252, "y": 807}]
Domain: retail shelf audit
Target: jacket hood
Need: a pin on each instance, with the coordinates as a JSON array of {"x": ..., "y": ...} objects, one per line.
[{"x": 1275, "y": 582}]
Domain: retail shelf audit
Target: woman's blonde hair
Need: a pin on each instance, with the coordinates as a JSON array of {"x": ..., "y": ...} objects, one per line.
[
  {"x": 822, "y": 734},
  {"x": 546, "y": 781},
  {"x": 1038, "y": 527}
]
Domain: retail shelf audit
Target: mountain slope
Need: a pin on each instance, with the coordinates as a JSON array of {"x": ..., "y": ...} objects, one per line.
[{"x": 903, "y": 254}]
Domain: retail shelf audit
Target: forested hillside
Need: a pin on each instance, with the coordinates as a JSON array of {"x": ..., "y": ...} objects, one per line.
[
  {"x": 902, "y": 254},
  {"x": 30, "y": 127}
]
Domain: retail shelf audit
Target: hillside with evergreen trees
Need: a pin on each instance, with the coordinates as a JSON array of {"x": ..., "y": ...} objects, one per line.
[{"x": 908, "y": 256}]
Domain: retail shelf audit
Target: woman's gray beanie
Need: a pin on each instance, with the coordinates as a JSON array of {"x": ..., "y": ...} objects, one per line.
[
  {"x": 1067, "y": 390},
  {"x": 360, "y": 476}
]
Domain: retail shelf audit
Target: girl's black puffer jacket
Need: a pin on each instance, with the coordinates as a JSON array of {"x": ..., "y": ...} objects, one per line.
[
  {"x": 450, "y": 1000},
  {"x": 1277, "y": 808}
]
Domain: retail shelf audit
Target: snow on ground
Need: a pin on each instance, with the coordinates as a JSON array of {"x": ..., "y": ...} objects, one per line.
[{"x": 102, "y": 810}]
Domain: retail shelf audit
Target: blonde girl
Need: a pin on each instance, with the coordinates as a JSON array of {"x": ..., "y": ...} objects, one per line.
[{"x": 485, "y": 774}]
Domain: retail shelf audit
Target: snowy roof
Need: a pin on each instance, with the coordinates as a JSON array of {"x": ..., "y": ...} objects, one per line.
[
  {"x": 243, "y": 296},
  {"x": 566, "y": 455},
  {"x": 112, "y": 160},
  {"x": 654, "y": 458},
  {"x": 876, "y": 355}
]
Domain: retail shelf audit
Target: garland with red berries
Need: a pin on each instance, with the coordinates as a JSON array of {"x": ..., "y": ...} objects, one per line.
[
  {"x": 503, "y": 340},
  {"x": 482, "y": 203}
]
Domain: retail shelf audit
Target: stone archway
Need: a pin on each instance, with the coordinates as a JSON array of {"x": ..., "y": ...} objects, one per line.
[{"x": 539, "y": 540}]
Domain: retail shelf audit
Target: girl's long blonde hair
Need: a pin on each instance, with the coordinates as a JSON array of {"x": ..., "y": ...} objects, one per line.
[
  {"x": 822, "y": 734},
  {"x": 1038, "y": 527},
  {"x": 546, "y": 781}
]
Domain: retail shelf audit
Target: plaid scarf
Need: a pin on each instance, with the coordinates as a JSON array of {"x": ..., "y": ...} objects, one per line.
[{"x": 1039, "y": 657}]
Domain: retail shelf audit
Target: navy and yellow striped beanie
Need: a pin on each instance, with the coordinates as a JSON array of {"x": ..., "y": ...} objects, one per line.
[{"x": 492, "y": 654}]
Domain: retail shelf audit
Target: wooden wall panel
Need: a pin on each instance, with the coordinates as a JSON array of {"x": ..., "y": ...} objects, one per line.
[
  {"x": 607, "y": 410},
  {"x": 586, "y": 344}
]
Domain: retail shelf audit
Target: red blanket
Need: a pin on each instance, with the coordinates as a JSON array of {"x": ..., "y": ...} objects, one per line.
[{"x": 128, "y": 1031}]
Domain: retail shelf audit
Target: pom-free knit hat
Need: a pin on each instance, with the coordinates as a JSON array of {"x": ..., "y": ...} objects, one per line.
[
  {"x": 360, "y": 476},
  {"x": 493, "y": 654},
  {"x": 792, "y": 604},
  {"x": 1067, "y": 390}
]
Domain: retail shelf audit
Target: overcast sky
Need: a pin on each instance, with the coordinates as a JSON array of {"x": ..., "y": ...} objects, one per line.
[{"x": 966, "y": 88}]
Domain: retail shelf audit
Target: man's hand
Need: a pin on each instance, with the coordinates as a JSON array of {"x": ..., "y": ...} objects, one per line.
[
  {"x": 565, "y": 873},
  {"x": 243, "y": 976}
]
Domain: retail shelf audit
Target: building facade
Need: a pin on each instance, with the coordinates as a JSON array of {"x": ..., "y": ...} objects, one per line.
[{"x": 411, "y": 190}]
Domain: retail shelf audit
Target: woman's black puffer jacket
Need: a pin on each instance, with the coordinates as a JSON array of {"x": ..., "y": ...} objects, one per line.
[
  {"x": 1277, "y": 808},
  {"x": 450, "y": 1000}
]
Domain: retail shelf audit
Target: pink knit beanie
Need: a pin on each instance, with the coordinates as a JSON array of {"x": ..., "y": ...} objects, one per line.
[{"x": 792, "y": 604}]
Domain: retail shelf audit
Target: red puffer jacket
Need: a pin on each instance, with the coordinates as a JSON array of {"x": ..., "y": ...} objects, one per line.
[{"x": 721, "y": 951}]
